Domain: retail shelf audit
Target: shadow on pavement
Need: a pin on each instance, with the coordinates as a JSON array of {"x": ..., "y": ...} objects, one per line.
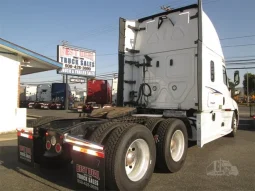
[
  {"x": 53, "y": 174},
  {"x": 247, "y": 125}
]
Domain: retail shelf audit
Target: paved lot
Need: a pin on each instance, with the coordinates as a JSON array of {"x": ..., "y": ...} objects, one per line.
[{"x": 240, "y": 152}]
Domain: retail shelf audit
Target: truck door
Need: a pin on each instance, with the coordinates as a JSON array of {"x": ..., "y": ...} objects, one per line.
[
  {"x": 213, "y": 95},
  {"x": 210, "y": 120},
  {"x": 227, "y": 107}
]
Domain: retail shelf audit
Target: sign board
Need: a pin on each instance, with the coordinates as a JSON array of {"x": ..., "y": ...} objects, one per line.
[
  {"x": 76, "y": 61},
  {"x": 79, "y": 80},
  {"x": 88, "y": 171},
  {"x": 25, "y": 151}
]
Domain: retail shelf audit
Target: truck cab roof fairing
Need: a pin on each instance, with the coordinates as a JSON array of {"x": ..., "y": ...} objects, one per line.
[
  {"x": 210, "y": 36},
  {"x": 167, "y": 12}
]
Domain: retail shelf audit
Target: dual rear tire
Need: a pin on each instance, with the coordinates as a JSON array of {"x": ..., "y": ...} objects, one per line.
[
  {"x": 130, "y": 155},
  {"x": 171, "y": 143},
  {"x": 132, "y": 152}
]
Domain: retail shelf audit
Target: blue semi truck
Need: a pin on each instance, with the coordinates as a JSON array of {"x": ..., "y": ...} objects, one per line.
[{"x": 57, "y": 96}]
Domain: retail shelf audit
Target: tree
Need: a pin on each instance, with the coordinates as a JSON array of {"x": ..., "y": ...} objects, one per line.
[{"x": 251, "y": 85}]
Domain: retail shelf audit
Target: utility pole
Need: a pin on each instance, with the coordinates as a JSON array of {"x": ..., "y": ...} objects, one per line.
[
  {"x": 247, "y": 88},
  {"x": 65, "y": 80}
]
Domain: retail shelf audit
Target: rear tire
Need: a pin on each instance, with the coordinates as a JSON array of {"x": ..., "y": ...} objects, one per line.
[
  {"x": 100, "y": 134},
  {"x": 152, "y": 123},
  {"x": 172, "y": 144},
  {"x": 130, "y": 158},
  {"x": 234, "y": 126}
]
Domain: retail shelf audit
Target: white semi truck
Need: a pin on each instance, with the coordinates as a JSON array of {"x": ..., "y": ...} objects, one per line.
[
  {"x": 27, "y": 95},
  {"x": 172, "y": 87},
  {"x": 114, "y": 90}
]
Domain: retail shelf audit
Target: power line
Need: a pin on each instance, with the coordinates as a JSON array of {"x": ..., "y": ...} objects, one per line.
[
  {"x": 101, "y": 74},
  {"x": 245, "y": 63},
  {"x": 247, "y": 60},
  {"x": 238, "y": 45},
  {"x": 241, "y": 68},
  {"x": 240, "y": 56},
  {"x": 237, "y": 37}
]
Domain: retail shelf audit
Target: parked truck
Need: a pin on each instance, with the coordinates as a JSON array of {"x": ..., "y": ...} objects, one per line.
[
  {"x": 114, "y": 90},
  {"x": 58, "y": 96},
  {"x": 99, "y": 91},
  {"x": 172, "y": 87},
  {"x": 27, "y": 95},
  {"x": 50, "y": 96},
  {"x": 43, "y": 96}
]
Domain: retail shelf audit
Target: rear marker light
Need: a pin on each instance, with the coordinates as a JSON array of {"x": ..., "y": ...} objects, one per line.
[
  {"x": 28, "y": 136},
  {"x": 83, "y": 144},
  {"x": 58, "y": 148},
  {"x": 48, "y": 145},
  {"x": 88, "y": 151}
]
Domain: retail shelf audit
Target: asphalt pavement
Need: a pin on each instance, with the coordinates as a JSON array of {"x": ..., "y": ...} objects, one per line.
[{"x": 198, "y": 172}]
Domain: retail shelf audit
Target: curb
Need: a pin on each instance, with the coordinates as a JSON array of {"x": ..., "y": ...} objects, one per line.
[{"x": 35, "y": 116}]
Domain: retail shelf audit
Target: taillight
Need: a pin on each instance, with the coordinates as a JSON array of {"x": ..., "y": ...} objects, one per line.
[
  {"x": 48, "y": 145},
  {"x": 58, "y": 148}
]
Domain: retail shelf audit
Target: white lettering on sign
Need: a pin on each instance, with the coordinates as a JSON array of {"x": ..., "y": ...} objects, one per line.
[
  {"x": 77, "y": 72},
  {"x": 87, "y": 181},
  {"x": 25, "y": 153},
  {"x": 88, "y": 171}
]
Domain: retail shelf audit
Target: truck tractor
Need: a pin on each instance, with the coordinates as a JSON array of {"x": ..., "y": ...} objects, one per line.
[{"x": 172, "y": 88}]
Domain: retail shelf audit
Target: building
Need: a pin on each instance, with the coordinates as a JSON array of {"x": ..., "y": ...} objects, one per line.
[{"x": 16, "y": 61}]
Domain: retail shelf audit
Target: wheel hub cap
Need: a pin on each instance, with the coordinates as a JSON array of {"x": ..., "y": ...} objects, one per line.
[
  {"x": 177, "y": 145},
  {"x": 130, "y": 158},
  {"x": 137, "y": 160}
]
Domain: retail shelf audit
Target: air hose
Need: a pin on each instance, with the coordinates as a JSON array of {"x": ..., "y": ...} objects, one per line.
[{"x": 142, "y": 93}]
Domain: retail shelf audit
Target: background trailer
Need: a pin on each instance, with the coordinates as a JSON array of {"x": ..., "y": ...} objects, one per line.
[{"x": 16, "y": 61}]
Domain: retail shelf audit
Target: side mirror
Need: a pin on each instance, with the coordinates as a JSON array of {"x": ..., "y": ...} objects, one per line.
[{"x": 236, "y": 78}]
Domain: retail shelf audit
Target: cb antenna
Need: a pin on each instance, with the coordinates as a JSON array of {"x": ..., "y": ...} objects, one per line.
[
  {"x": 166, "y": 8},
  {"x": 64, "y": 42}
]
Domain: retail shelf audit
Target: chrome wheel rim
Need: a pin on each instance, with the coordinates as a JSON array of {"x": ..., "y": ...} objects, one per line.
[
  {"x": 137, "y": 160},
  {"x": 177, "y": 145},
  {"x": 234, "y": 124}
]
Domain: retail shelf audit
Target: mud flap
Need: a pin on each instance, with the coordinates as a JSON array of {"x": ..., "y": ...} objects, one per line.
[
  {"x": 25, "y": 148},
  {"x": 88, "y": 165}
]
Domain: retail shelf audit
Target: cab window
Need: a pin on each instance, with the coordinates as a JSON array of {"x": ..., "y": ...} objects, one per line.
[
  {"x": 212, "y": 71},
  {"x": 225, "y": 77}
]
